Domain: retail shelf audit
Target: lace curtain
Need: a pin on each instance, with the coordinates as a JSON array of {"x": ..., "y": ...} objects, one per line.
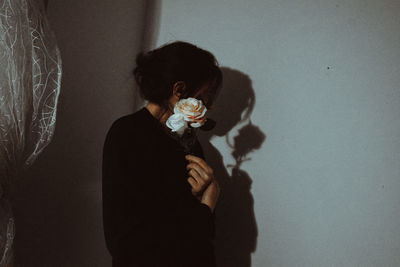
[{"x": 30, "y": 75}]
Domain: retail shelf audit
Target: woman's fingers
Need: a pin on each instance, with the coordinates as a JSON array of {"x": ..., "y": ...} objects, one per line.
[
  {"x": 199, "y": 161},
  {"x": 201, "y": 174},
  {"x": 196, "y": 188},
  {"x": 202, "y": 178},
  {"x": 197, "y": 182},
  {"x": 198, "y": 169},
  {"x": 192, "y": 182},
  {"x": 195, "y": 175}
]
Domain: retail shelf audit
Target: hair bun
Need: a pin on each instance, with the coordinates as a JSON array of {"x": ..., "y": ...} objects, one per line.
[{"x": 158, "y": 70}]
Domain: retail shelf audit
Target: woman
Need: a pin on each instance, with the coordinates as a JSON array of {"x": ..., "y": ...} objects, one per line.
[{"x": 159, "y": 200}]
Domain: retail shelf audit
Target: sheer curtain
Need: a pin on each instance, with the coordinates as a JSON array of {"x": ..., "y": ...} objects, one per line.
[{"x": 30, "y": 75}]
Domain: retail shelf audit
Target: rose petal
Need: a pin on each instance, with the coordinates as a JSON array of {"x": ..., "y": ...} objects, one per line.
[
  {"x": 189, "y": 110},
  {"x": 196, "y": 124},
  {"x": 176, "y": 122},
  {"x": 181, "y": 130}
]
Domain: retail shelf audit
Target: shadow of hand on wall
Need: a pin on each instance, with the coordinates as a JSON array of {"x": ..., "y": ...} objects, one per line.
[{"x": 236, "y": 227}]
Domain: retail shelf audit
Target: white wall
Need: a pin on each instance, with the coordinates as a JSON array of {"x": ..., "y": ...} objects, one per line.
[{"x": 326, "y": 180}]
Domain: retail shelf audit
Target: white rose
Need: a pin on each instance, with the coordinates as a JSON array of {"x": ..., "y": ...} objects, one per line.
[
  {"x": 189, "y": 110},
  {"x": 193, "y": 111},
  {"x": 177, "y": 123}
]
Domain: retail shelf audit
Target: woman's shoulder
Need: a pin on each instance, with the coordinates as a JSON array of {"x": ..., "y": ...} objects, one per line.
[{"x": 133, "y": 125}]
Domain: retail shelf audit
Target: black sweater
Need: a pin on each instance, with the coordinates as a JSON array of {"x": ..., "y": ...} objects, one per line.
[{"x": 150, "y": 216}]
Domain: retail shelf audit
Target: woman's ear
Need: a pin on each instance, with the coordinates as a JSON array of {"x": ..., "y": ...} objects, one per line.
[{"x": 179, "y": 88}]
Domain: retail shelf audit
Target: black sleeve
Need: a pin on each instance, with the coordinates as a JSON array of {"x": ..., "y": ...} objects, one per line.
[
  {"x": 206, "y": 220},
  {"x": 130, "y": 212},
  {"x": 204, "y": 214}
]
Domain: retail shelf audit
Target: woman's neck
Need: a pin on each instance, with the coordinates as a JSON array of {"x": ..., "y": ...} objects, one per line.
[{"x": 158, "y": 112}]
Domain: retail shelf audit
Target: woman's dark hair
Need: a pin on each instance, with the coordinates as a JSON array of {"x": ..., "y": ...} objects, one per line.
[{"x": 158, "y": 70}]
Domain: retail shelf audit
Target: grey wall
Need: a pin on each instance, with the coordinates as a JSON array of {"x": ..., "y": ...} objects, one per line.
[
  {"x": 321, "y": 186},
  {"x": 57, "y": 203},
  {"x": 326, "y": 180}
]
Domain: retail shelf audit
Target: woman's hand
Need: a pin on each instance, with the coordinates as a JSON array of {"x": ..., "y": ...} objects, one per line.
[
  {"x": 204, "y": 185},
  {"x": 201, "y": 174}
]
